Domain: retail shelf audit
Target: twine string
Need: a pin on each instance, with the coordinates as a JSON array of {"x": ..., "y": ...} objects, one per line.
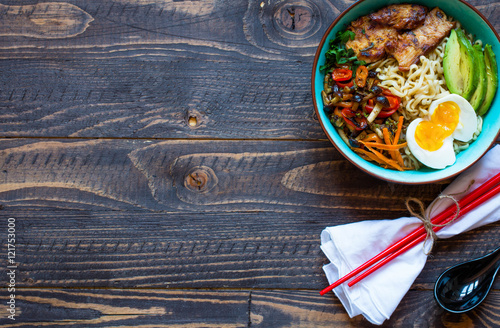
[
  {"x": 421, "y": 214},
  {"x": 425, "y": 218}
]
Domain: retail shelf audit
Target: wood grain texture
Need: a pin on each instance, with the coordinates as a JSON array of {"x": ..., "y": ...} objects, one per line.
[
  {"x": 44, "y": 20},
  {"x": 145, "y": 174},
  {"x": 136, "y": 72},
  {"x": 165, "y": 169},
  {"x": 225, "y": 308},
  {"x": 173, "y": 250},
  {"x": 130, "y": 308},
  {"x": 154, "y": 99},
  {"x": 308, "y": 309}
]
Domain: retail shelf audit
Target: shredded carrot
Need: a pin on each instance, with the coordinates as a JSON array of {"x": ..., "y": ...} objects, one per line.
[
  {"x": 399, "y": 158},
  {"x": 388, "y": 161},
  {"x": 398, "y": 131},
  {"x": 372, "y": 137},
  {"x": 387, "y": 140},
  {"x": 372, "y": 141},
  {"x": 384, "y": 146},
  {"x": 369, "y": 156},
  {"x": 372, "y": 157},
  {"x": 363, "y": 153}
]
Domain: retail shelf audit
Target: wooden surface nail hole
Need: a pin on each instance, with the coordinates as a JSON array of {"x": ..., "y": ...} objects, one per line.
[{"x": 192, "y": 121}]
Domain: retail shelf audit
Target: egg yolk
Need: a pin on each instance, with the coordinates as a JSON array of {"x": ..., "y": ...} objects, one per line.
[{"x": 430, "y": 134}]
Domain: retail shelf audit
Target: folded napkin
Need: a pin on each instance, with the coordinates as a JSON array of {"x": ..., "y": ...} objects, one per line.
[{"x": 350, "y": 245}]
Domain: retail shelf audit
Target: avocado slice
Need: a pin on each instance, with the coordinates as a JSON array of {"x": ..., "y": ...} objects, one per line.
[
  {"x": 451, "y": 64},
  {"x": 480, "y": 93},
  {"x": 469, "y": 63},
  {"x": 491, "y": 77},
  {"x": 459, "y": 63}
]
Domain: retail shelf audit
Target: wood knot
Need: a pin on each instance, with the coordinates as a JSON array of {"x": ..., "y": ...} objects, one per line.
[
  {"x": 296, "y": 20},
  {"x": 285, "y": 27},
  {"x": 200, "y": 179}
]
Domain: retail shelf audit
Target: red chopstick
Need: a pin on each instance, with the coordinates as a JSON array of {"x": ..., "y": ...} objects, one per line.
[
  {"x": 463, "y": 210},
  {"x": 447, "y": 213}
]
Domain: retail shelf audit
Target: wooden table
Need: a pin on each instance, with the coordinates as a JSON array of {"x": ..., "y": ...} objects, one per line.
[{"x": 163, "y": 167}]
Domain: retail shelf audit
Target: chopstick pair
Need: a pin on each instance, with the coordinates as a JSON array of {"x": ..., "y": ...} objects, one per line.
[{"x": 478, "y": 196}]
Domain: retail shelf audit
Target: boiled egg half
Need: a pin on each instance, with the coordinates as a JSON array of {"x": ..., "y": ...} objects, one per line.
[{"x": 430, "y": 139}]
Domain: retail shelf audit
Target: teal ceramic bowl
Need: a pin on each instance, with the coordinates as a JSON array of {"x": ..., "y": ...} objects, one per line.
[{"x": 473, "y": 22}]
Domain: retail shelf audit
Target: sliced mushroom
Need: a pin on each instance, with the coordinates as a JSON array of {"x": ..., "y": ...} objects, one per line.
[
  {"x": 373, "y": 115},
  {"x": 357, "y": 98},
  {"x": 376, "y": 90},
  {"x": 383, "y": 101},
  {"x": 368, "y": 96}
]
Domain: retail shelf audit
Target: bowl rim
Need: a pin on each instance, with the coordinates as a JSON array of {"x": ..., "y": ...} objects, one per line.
[{"x": 316, "y": 108}]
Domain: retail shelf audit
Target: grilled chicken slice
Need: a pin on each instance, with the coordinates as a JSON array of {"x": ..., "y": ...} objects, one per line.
[
  {"x": 415, "y": 43},
  {"x": 401, "y": 17},
  {"x": 371, "y": 39}
]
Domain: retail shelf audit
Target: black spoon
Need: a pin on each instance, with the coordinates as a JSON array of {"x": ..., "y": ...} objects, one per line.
[{"x": 464, "y": 286}]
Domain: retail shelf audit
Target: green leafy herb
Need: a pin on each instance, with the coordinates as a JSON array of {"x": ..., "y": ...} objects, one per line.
[
  {"x": 338, "y": 53},
  {"x": 345, "y": 36}
]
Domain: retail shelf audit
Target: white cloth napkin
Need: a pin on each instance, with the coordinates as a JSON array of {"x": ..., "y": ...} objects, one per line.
[{"x": 350, "y": 245}]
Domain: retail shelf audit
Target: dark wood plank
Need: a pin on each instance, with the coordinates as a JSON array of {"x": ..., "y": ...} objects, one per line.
[
  {"x": 142, "y": 70},
  {"x": 129, "y": 308},
  {"x": 88, "y": 208},
  {"x": 191, "y": 175},
  {"x": 197, "y": 250},
  {"x": 156, "y": 99},
  {"x": 309, "y": 309},
  {"x": 224, "y": 308},
  {"x": 122, "y": 28}
]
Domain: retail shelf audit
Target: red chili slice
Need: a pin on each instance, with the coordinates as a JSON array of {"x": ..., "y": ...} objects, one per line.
[
  {"x": 347, "y": 112},
  {"x": 386, "y": 92},
  {"x": 369, "y": 105},
  {"x": 354, "y": 120},
  {"x": 342, "y": 84},
  {"x": 394, "y": 102},
  {"x": 341, "y": 74},
  {"x": 384, "y": 114},
  {"x": 356, "y": 123},
  {"x": 361, "y": 76}
]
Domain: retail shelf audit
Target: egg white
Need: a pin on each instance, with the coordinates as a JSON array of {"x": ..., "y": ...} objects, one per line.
[
  {"x": 438, "y": 159},
  {"x": 467, "y": 119},
  {"x": 445, "y": 155}
]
